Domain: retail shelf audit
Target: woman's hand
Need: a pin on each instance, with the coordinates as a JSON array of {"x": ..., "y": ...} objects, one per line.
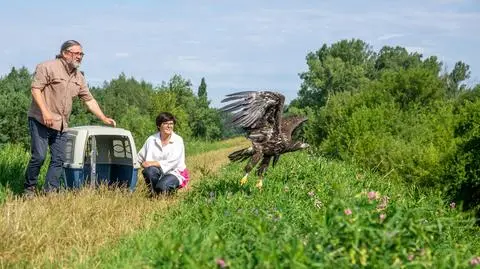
[{"x": 146, "y": 164}]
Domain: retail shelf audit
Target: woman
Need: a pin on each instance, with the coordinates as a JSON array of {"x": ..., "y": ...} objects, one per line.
[{"x": 163, "y": 157}]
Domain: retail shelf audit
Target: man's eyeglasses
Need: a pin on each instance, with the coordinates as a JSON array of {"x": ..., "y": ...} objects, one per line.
[
  {"x": 168, "y": 123},
  {"x": 77, "y": 53}
]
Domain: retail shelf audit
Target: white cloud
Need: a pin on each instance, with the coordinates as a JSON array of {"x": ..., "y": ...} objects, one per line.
[
  {"x": 122, "y": 54},
  {"x": 192, "y": 42},
  {"x": 187, "y": 58},
  {"x": 389, "y": 36}
]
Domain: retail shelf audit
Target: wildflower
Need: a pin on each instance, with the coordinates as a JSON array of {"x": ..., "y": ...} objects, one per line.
[
  {"x": 382, "y": 217},
  {"x": 347, "y": 211},
  {"x": 475, "y": 261},
  {"x": 311, "y": 193},
  {"x": 372, "y": 195},
  {"x": 411, "y": 257},
  {"x": 318, "y": 203},
  {"x": 453, "y": 205},
  {"x": 383, "y": 203},
  {"x": 221, "y": 263},
  {"x": 286, "y": 189}
]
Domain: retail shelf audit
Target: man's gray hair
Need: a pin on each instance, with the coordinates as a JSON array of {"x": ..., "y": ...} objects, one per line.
[{"x": 66, "y": 45}]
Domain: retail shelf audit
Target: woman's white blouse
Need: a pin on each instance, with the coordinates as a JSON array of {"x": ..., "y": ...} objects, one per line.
[{"x": 171, "y": 156}]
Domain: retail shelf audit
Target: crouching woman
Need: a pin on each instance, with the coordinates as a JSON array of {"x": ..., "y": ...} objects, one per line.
[{"x": 163, "y": 158}]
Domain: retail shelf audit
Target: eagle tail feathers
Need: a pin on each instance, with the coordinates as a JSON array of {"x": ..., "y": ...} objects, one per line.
[{"x": 240, "y": 155}]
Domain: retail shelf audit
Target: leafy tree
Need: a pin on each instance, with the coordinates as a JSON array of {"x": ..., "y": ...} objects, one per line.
[
  {"x": 165, "y": 100},
  {"x": 141, "y": 125},
  {"x": 15, "y": 101},
  {"x": 396, "y": 58},
  {"x": 205, "y": 121},
  {"x": 121, "y": 93},
  {"x": 202, "y": 92},
  {"x": 344, "y": 66},
  {"x": 413, "y": 86},
  {"x": 460, "y": 72}
]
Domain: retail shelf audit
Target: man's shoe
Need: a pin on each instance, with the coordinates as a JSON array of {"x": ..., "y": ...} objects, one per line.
[{"x": 29, "y": 193}]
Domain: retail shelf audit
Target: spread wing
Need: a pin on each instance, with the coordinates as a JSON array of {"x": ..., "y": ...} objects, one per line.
[
  {"x": 259, "y": 113},
  {"x": 290, "y": 124}
]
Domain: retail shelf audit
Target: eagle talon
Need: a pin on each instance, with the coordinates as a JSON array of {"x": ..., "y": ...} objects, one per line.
[
  {"x": 243, "y": 181},
  {"x": 259, "y": 184}
]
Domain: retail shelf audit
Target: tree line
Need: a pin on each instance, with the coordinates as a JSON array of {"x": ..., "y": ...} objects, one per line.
[
  {"x": 397, "y": 113},
  {"x": 133, "y": 104}
]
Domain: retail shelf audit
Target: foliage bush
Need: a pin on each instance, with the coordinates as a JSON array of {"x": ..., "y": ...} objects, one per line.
[
  {"x": 462, "y": 175},
  {"x": 406, "y": 119}
]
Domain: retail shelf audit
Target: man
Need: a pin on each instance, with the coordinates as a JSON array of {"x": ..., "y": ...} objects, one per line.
[{"x": 55, "y": 84}]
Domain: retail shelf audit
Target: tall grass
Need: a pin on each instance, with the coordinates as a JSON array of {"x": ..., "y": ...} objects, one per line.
[
  {"x": 311, "y": 213},
  {"x": 13, "y": 162},
  {"x": 194, "y": 147},
  {"x": 48, "y": 230}
]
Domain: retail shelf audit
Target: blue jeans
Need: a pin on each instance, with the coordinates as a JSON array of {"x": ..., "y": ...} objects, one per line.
[
  {"x": 42, "y": 138},
  {"x": 158, "y": 182}
]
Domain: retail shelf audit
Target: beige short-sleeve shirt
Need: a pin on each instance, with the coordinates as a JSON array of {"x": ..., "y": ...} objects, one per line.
[{"x": 58, "y": 90}]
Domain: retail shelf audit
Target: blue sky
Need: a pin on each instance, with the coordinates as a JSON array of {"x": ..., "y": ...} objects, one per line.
[{"x": 235, "y": 45}]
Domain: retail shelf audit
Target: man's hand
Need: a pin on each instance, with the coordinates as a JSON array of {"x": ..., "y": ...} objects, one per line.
[
  {"x": 92, "y": 105},
  {"x": 109, "y": 121},
  {"x": 47, "y": 118}
]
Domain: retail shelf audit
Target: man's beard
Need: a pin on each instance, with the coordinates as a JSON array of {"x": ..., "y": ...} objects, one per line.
[{"x": 73, "y": 64}]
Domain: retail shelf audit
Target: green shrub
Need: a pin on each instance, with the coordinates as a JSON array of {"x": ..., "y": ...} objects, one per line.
[{"x": 462, "y": 174}]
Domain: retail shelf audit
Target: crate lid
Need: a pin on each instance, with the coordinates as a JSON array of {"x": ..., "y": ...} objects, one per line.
[{"x": 98, "y": 130}]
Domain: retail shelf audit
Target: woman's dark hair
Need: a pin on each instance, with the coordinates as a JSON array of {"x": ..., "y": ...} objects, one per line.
[
  {"x": 164, "y": 117},
  {"x": 66, "y": 45}
]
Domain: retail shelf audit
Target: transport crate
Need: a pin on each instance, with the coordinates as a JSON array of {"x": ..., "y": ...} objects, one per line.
[{"x": 98, "y": 155}]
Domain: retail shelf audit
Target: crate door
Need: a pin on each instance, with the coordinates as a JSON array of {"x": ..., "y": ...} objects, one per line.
[{"x": 114, "y": 163}]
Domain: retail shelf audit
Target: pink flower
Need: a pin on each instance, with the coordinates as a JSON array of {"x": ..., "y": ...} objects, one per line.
[
  {"x": 475, "y": 261},
  {"x": 411, "y": 257},
  {"x": 221, "y": 263},
  {"x": 453, "y": 205},
  {"x": 311, "y": 193},
  {"x": 373, "y": 195},
  {"x": 382, "y": 216},
  {"x": 347, "y": 211}
]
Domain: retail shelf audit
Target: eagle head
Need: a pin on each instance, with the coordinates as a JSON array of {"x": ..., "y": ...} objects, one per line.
[
  {"x": 304, "y": 146},
  {"x": 297, "y": 146}
]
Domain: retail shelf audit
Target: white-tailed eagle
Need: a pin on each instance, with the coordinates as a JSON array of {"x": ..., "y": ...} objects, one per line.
[{"x": 259, "y": 113}]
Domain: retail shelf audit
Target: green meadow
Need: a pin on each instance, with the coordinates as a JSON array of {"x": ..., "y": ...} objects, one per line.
[{"x": 311, "y": 213}]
